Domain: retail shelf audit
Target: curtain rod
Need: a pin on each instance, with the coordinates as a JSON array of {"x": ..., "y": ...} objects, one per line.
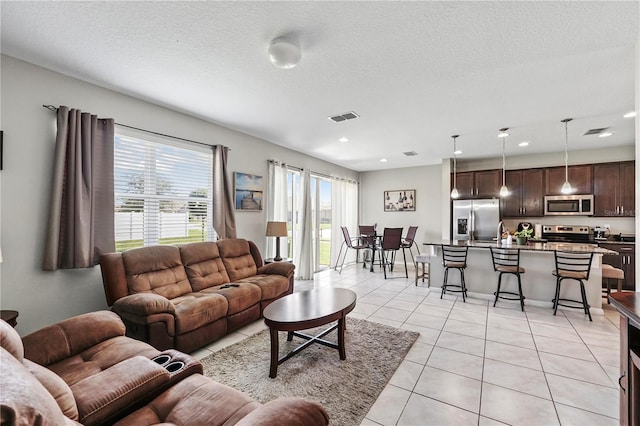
[
  {"x": 312, "y": 172},
  {"x": 54, "y": 109}
]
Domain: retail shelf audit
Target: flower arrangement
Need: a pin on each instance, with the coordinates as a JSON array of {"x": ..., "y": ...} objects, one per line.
[{"x": 526, "y": 233}]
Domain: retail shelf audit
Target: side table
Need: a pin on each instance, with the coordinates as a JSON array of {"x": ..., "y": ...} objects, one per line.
[{"x": 10, "y": 317}]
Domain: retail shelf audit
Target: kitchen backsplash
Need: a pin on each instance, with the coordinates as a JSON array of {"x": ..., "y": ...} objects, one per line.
[{"x": 619, "y": 225}]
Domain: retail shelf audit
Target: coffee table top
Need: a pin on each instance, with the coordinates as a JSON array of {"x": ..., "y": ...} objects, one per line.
[{"x": 309, "y": 308}]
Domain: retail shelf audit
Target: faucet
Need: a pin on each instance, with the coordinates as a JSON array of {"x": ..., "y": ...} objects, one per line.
[{"x": 499, "y": 232}]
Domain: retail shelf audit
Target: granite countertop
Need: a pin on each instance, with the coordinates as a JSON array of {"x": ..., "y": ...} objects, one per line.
[{"x": 569, "y": 247}]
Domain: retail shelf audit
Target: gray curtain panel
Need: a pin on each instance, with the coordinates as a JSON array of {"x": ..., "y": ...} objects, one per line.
[
  {"x": 81, "y": 212},
  {"x": 224, "y": 219}
]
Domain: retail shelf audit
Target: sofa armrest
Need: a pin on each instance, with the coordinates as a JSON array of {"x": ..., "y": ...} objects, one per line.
[
  {"x": 144, "y": 304},
  {"x": 277, "y": 268},
  {"x": 71, "y": 336},
  {"x": 287, "y": 411}
]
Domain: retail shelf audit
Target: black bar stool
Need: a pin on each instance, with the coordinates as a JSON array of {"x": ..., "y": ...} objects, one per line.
[
  {"x": 454, "y": 257},
  {"x": 507, "y": 261},
  {"x": 572, "y": 266}
]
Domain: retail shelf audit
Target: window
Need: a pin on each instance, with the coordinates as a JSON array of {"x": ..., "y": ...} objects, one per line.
[{"x": 162, "y": 190}]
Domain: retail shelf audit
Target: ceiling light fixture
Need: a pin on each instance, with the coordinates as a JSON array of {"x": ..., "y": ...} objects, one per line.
[
  {"x": 383, "y": 160},
  {"x": 566, "y": 186},
  {"x": 457, "y": 152},
  {"x": 343, "y": 139},
  {"x": 523, "y": 143},
  {"x": 605, "y": 134},
  {"x": 504, "y": 191},
  {"x": 284, "y": 52},
  {"x": 630, "y": 114},
  {"x": 454, "y": 191}
]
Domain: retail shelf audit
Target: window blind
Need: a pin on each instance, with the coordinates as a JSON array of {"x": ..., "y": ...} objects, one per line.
[{"x": 163, "y": 191}]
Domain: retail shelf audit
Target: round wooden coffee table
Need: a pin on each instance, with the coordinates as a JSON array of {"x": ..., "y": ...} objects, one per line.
[{"x": 304, "y": 310}]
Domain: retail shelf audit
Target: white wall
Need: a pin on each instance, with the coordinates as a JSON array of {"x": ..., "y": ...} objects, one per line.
[
  {"x": 29, "y": 137},
  {"x": 426, "y": 180}
]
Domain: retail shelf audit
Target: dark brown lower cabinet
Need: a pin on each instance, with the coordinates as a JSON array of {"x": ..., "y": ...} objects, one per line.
[{"x": 628, "y": 304}]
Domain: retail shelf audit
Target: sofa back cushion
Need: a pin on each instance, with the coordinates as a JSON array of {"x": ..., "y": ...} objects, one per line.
[
  {"x": 237, "y": 258},
  {"x": 203, "y": 265},
  {"x": 156, "y": 269}
]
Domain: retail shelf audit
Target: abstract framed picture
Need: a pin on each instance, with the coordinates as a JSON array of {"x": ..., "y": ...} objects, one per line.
[
  {"x": 248, "y": 191},
  {"x": 400, "y": 201}
]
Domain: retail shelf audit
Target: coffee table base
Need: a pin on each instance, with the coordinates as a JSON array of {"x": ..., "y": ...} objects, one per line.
[{"x": 275, "y": 346}]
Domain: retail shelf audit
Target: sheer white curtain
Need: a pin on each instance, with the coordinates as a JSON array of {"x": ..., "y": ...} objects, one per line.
[
  {"x": 303, "y": 253},
  {"x": 344, "y": 212},
  {"x": 276, "y": 204}
]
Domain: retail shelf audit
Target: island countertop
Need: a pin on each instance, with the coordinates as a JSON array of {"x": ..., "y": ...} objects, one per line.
[{"x": 567, "y": 247}]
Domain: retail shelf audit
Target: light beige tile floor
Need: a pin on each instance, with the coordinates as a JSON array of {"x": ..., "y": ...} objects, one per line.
[{"x": 474, "y": 364}]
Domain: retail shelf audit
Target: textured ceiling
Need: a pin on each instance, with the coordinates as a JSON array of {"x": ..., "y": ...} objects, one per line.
[{"x": 415, "y": 72}]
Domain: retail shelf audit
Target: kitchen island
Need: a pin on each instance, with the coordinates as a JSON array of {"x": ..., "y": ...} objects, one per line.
[{"x": 538, "y": 284}]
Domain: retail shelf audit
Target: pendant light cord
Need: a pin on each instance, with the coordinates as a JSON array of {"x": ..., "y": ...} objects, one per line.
[
  {"x": 455, "y": 166},
  {"x": 503, "y": 162},
  {"x": 566, "y": 151}
]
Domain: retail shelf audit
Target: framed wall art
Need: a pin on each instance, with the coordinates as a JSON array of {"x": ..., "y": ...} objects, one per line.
[
  {"x": 400, "y": 201},
  {"x": 248, "y": 190}
]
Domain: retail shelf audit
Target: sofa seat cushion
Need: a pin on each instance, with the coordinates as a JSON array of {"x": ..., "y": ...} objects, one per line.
[
  {"x": 196, "y": 400},
  {"x": 23, "y": 399},
  {"x": 240, "y": 298},
  {"x": 203, "y": 265},
  {"x": 237, "y": 258},
  {"x": 271, "y": 286},
  {"x": 100, "y": 357},
  {"x": 156, "y": 269},
  {"x": 193, "y": 310}
]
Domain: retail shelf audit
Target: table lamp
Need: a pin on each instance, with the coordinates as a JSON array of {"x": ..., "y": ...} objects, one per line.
[{"x": 277, "y": 229}]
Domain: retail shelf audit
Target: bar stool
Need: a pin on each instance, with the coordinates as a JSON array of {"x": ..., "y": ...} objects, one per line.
[
  {"x": 611, "y": 273},
  {"x": 454, "y": 257},
  {"x": 424, "y": 260},
  {"x": 507, "y": 261},
  {"x": 572, "y": 266}
]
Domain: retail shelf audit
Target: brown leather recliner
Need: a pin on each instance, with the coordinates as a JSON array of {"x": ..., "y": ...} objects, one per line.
[
  {"x": 187, "y": 296},
  {"x": 85, "y": 371}
]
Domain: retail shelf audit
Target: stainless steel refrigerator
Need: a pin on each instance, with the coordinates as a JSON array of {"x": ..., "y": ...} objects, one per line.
[{"x": 475, "y": 219}]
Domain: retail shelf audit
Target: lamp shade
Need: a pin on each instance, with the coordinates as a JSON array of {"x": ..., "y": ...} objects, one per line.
[{"x": 276, "y": 229}]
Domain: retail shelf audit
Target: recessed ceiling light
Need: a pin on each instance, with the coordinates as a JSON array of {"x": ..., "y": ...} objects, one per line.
[
  {"x": 343, "y": 139},
  {"x": 458, "y": 152},
  {"x": 605, "y": 134},
  {"x": 630, "y": 114},
  {"x": 524, "y": 143},
  {"x": 383, "y": 160}
]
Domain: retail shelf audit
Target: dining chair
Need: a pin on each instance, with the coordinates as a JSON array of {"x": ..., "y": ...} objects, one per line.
[
  {"x": 347, "y": 244},
  {"x": 389, "y": 246},
  {"x": 609, "y": 273},
  {"x": 572, "y": 266},
  {"x": 409, "y": 241},
  {"x": 368, "y": 238}
]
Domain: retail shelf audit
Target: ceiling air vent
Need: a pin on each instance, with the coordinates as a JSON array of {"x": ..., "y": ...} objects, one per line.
[
  {"x": 595, "y": 131},
  {"x": 410, "y": 153},
  {"x": 342, "y": 117}
]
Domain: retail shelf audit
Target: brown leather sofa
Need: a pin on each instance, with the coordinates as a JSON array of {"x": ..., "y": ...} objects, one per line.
[
  {"x": 85, "y": 371},
  {"x": 187, "y": 296}
]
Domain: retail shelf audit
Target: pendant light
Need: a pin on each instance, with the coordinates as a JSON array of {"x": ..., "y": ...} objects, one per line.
[
  {"x": 566, "y": 186},
  {"x": 504, "y": 191},
  {"x": 454, "y": 191}
]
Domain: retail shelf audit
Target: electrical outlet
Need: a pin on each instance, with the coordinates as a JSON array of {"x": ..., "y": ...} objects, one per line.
[{"x": 607, "y": 226}]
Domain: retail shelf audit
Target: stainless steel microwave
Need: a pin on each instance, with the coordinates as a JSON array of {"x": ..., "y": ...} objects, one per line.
[{"x": 568, "y": 205}]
